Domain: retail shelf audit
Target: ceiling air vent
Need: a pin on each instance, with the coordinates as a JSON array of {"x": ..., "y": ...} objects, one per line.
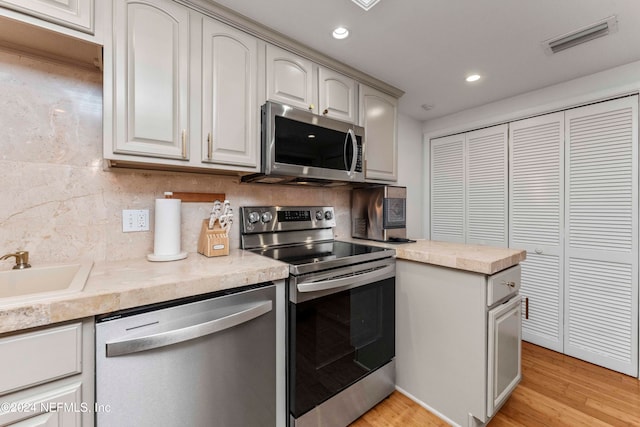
[{"x": 581, "y": 35}]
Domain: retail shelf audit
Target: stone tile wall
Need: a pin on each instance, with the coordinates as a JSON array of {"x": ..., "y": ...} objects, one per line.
[{"x": 57, "y": 200}]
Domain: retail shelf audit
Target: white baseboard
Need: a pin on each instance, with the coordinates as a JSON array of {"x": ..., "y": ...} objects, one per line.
[{"x": 427, "y": 407}]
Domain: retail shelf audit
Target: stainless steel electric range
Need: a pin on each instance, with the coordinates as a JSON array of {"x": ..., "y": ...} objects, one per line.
[{"x": 341, "y": 313}]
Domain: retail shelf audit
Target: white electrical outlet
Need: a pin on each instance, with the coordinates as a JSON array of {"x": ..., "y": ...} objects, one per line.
[{"x": 135, "y": 220}]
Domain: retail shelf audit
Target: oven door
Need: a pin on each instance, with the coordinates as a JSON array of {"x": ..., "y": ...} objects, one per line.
[
  {"x": 301, "y": 144},
  {"x": 341, "y": 329}
]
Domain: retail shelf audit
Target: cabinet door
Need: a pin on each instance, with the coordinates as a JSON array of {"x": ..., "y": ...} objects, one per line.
[
  {"x": 503, "y": 353},
  {"x": 379, "y": 116},
  {"x": 486, "y": 186},
  {"x": 52, "y": 405},
  {"x": 76, "y": 14},
  {"x": 337, "y": 94},
  {"x": 290, "y": 79},
  {"x": 229, "y": 99},
  {"x": 447, "y": 189},
  {"x": 535, "y": 222},
  {"x": 601, "y": 220},
  {"x": 151, "y": 78}
]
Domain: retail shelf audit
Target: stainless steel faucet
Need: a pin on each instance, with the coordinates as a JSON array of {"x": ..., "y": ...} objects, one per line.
[{"x": 22, "y": 259}]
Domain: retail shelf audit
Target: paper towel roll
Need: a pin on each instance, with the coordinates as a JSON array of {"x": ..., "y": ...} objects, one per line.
[{"x": 166, "y": 240}]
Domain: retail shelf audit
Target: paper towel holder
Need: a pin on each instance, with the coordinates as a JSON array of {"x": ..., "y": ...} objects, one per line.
[{"x": 160, "y": 248}]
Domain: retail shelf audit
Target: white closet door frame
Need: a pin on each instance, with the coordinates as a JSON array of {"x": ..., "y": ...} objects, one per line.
[
  {"x": 448, "y": 190},
  {"x": 486, "y": 186},
  {"x": 542, "y": 271},
  {"x": 595, "y": 320}
]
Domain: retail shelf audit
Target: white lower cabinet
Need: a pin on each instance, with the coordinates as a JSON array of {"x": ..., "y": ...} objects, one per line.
[
  {"x": 48, "y": 376},
  {"x": 457, "y": 340}
]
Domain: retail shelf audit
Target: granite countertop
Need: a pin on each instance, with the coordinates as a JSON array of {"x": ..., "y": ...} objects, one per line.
[
  {"x": 474, "y": 258},
  {"x": 118, "y": 285}
]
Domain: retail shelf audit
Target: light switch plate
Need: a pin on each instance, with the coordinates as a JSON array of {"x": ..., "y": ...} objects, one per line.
[{"x": 135, "y": 220}]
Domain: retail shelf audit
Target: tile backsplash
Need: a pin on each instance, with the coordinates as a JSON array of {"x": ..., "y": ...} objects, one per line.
[{"x": 58, "y": 201}]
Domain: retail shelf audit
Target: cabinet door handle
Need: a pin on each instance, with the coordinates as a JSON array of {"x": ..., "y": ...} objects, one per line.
[
  {"x": 509, "y": 284},
  {"x": 311, "y": 107},
  {"x": 209, "y": 146},
  {"x": 538, "y": 251},
  {"x": 526, "y": 308},
  {"x": 184, "y": 144},
  {"x": 325, "y": 112}
]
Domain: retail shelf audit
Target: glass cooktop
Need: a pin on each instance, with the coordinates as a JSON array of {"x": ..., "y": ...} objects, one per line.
[{"x": 304, "y": 258}]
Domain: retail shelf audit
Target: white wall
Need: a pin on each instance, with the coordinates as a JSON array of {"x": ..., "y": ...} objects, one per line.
[
  {"x": 410, "y": 172},
  {"x": 622, "y": 80},
  {"x": 616, "y": 81}
]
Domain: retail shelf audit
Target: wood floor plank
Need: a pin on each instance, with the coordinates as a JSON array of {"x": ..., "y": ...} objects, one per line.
[{"x": 556, "y": 391}]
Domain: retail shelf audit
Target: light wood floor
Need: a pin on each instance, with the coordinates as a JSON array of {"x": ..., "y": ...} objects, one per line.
[{"x": 556, "y": 390}]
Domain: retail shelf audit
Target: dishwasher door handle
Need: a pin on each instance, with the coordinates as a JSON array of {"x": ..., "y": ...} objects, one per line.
[
  {"x": 162, "y": 339},
  {"x": 323, "y": 285}
]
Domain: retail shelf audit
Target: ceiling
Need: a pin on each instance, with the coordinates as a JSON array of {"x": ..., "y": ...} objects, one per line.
[{"x": 428, "y": 47}]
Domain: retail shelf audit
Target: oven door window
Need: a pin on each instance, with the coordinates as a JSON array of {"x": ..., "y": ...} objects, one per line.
[{"x": 337, "y": 339}]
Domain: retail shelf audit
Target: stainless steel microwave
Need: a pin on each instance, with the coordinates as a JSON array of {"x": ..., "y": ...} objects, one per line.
[{"x": 301, "y": 147}]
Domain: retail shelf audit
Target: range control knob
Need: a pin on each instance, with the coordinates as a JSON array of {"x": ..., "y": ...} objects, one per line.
[
  {"x": 266, "y": 217},
  {"x": 254, "y": 217},
  {"x": 319, "y": 215},
  {"x": 328, "y": 215}
]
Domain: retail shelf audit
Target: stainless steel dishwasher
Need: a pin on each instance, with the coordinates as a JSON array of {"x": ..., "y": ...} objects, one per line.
[{"x": 191, "y": 362}]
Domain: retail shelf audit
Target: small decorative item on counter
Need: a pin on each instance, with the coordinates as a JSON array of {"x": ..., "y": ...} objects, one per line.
[{"x": 214, "y": 234}]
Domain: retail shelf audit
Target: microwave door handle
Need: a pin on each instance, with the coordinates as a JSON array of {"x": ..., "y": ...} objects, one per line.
[{"x": 354, "y": 144}]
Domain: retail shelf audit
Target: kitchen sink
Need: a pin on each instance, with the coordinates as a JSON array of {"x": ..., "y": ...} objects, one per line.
[{"x": 43, "y": 281}]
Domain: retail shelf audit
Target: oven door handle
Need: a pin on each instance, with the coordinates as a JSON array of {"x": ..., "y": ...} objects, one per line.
[
  {"x": 163, "y": 339},
  {"x": 323, "y": 285}
]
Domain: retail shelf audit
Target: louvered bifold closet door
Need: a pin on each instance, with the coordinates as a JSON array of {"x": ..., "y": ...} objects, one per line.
[
  {"x": 536, "y": 157},
  {"x": 601, "y": 267},
  {"x": 447, "y": 188},
  {"x": 486, "y": 186}
]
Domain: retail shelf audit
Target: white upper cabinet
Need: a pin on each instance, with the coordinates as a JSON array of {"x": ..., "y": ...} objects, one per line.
[
  {"x": 152, "y": 78},
  {"x": 337, "y": 95},
  {"x": 229, "y": 95},
  {"x": 290, "y": 79},
  {"x": 379, "y": 117},
  {"x": 300, "y": 83},
  {"x": 185, "y": 90},
  {"x": 75, "y": 14}
]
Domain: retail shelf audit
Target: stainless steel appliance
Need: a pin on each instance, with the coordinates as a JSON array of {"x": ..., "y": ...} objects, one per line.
[
  {"x": 341, "y": 311},
  {"x": 301, "y": 147},
  {"x": 199, "y": 363},
  {"x": 379, "y": 213}
]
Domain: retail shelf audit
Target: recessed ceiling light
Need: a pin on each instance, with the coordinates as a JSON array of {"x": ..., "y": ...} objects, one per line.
[
  {"x": 340, "y": 33},
  {"x": 473, "y": 78}
]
